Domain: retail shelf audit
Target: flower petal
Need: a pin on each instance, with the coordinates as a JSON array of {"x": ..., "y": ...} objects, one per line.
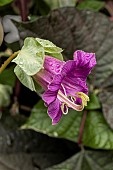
[
  {"x": 73, "y": 81},
  {"x": 53, "y": 65},
  {"x": 75, "y": 72},
  {"x": 57, "y": 118},
  {"x": 43, "y": 77},
  {"x": 84, "y": 63},
  {"x": 49, "y": 96},
  {"x": 53, "y": 109},
  {"x": 55, "y": 83},
  {"x": 68, "y": 67},
  {"x": 73, "y": 85}
]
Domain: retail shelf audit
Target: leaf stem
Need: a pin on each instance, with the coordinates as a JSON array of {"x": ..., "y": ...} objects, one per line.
[
  {"x": 82, "y": 127},
  {"x": 8, "y": 61}
]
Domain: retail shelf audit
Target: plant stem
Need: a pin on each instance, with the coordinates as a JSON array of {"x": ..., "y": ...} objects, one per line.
[
  {"x": 82, "y": 127},
  {"x": 24, "y": 10},
  {"x": 8, "y": 61}
]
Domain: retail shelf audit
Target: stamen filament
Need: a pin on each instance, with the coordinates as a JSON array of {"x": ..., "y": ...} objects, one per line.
[
  {"x": 63, "y": 109},
  {"x": 73, "y": 99},
  {"x": 68, "y": 102},
  {"x": 64, "y": 89}
]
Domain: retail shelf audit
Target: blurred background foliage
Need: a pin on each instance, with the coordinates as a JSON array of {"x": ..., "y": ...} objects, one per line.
[{"x": 28, "y": 141}]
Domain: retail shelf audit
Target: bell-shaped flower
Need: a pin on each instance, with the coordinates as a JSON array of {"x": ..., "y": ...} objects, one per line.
[{"x": 65, "y": 83}]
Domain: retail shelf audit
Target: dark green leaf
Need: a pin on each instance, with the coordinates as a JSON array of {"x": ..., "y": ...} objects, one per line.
[
  {"x": 93, "y": 103},
  {"x": 5, "y": 92},
  {"x": 15, "y": 161},
  {"x": 87, "y": 160},
  {"x": 106, "y": 97},
  {"x": 68, "y": 127},
  {"x": 16, "y": 143},
  {"x": 97, "y": 133},
  {"x": 5, "y": 2},
  {"x": 8, "y": 77},
  {"x": 94, "y": 5}
]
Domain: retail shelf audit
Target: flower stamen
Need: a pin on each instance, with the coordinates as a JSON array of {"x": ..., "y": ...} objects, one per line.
[
  {"x": 68, "y": 102},
  {"x": 64, "y": 108},
  {"x": 64, "y": 89},
  {"x": 84, "y": 98},
  {"x": 72, "y": 98}
]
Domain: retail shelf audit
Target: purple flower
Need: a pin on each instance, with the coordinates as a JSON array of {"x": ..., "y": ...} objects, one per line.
[{"x": 65, "y": 83}]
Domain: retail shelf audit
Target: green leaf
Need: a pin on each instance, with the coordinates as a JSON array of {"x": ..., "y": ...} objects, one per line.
[
  {"x": 8, "y": 77},
  {"x": 5, "y": 92},
  {"x": 60, "y": 3},
  {"x": 50, "y": 48},
  {"x": 25, "y": 79},
  {"x": 15, "y": 161},
  {"x": 66, "y": 3},
  {"x": 31, "y": 57},
  {"x": 97, "y": 133},
  {"x": 94, "y": 5},
  {"x": 93, "y": 103},
  {"x": 5, "y": 2},
  {"x": 68, "y": 127},
  {"x": 59, "y": 56},
  {"x": 44, "y": 151},
  {"x": 87, "y": 160}
]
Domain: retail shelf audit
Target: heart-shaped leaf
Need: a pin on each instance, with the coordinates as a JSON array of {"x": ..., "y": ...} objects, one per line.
[
  {"x": 31, "y": 57},
  {"x": 25, "y": 79},
  {"x": 40, "y": 121},
  {"x": 49, "y": 46},
  {"x": 87, "y": 160},
  {"x": 96, "y": 134}
]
